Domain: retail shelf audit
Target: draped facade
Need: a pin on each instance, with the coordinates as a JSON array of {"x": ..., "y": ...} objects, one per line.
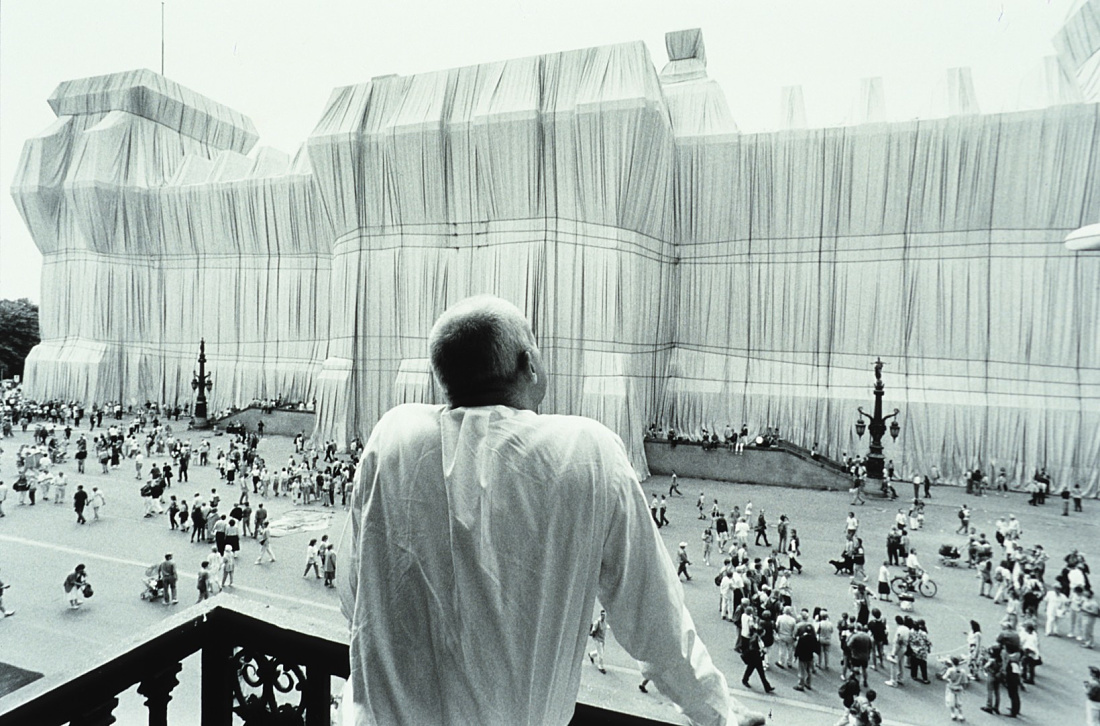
[{"x": 675, "y": 270}]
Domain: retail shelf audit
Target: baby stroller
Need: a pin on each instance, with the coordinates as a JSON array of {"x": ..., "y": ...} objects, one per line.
[
  {"x": 949, "y": 555},
  {"x": 154, "y": 588}
]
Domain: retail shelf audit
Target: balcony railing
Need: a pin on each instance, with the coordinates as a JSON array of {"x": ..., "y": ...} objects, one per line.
[{"x": 263, "y": 665}]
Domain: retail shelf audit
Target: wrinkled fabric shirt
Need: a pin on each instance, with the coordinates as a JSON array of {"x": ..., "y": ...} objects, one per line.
[{"x": 477, "y": 543}]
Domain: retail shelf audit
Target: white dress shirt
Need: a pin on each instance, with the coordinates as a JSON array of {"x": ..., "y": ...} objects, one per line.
[{"x": 477, "y": 544}]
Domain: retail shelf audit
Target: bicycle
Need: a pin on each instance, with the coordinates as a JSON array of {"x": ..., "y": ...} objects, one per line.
[{"x": 925, "y": 585}]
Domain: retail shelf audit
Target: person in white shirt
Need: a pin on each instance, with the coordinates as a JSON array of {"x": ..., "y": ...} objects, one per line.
[
  {"x": 741, "y": 532},
  {"x": 725, "y": 591},
  {"x": 479, "y": 537},
  {"x": 913, "y": 564},
  {"x": 59, "y": 485}
]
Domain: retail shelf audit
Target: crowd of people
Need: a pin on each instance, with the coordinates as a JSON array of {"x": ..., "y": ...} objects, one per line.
[
  {"x": 756, "y": 594},
  {"x": 757, "y": 560},
  {"x": 143, "y": 441}
]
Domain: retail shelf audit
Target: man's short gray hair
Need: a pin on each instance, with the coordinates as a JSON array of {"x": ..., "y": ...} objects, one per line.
[{"x": 476, "y": 346}]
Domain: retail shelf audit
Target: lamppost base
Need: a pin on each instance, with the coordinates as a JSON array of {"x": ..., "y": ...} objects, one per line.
[{"x": 200, "y": 423}]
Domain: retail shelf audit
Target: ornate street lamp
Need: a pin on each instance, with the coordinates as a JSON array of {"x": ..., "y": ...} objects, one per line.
[
  {"x": 876, "y": 425},
  {"x": 202, "y": 383}
]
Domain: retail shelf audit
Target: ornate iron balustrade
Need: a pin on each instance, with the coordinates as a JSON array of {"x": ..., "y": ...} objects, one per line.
[{"x": 269, "y": 667}]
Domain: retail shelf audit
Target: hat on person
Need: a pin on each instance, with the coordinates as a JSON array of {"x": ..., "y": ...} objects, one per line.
[{"x": 683, "y": 545}]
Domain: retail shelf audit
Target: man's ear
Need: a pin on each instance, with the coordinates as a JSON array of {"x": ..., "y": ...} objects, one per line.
[{"x": 528, "y": 364}]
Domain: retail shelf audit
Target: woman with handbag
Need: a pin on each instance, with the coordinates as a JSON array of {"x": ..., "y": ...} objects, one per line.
[{"x": 77, "y": 587}]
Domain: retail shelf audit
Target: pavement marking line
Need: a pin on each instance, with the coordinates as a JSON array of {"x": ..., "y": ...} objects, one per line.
[
  {"x": 770, "y": 698},
  {"x": 182, "y": 573}
]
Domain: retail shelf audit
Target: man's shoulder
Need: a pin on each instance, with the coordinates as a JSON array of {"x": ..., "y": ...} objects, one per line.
[
  {"x": 578, "y": 428},
  {"x": 410, "y": 415}
]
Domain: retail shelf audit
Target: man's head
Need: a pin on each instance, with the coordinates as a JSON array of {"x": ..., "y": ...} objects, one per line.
[{"x": 483, "y": 352}]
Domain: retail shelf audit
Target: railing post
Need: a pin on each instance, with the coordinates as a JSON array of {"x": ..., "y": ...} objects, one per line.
[
  {"x": 317, "y": 694},
  {"x": 217, "y": 675},
  {"x": 100, "y": 715},
  {"x": 157, "y": 690}
]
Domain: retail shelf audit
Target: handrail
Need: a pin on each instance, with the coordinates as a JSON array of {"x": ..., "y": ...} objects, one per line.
[
  {"x": 244, "y": 646},
  {"x": 152, "y": 658}
]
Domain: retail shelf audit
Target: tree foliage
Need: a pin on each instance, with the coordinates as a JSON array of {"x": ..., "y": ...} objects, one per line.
[{"x": 18, "y": 334}]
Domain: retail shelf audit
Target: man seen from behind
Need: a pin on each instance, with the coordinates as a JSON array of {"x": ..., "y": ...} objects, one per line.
[{"x": 481, "y": 534}]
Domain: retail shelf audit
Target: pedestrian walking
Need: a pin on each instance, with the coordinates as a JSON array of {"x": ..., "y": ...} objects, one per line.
[
  {"x": 229, "y": 566},
  {"x": 708, "y": 542},
  {"x": 97, "y": 500},
  {"x": 204, "y": 581},
  {"x": 263, "y": 534},
  {"x": 330, "y": 566},
  {"x": 173, "y": 511},
  {"x": 598, "y": 633},
  {"x": 856, "y": 491},
  {"x": 964, "y": 520},
  {"x": 674, "y": 486},
  {"x": 682, "y": 557},
  {"x": 859, "y": 560},
  {"x": 805, "y": 648},
  {"x": 955, "y": 679},
  {"x": 761, "y": 529},
  {"x": 80, "y": 500},
  {"x": 794, "y": 551},
  {"x": 312, "y": 559},
  {"x": 259, "y": 518},
  {"x": 752, "y": 655}
]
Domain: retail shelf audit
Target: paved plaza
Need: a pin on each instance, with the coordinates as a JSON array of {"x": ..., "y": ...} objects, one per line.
[{"x": 39, "y": 545}]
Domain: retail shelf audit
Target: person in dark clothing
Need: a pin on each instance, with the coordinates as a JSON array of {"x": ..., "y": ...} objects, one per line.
[
  {"x": 1012, "y": 670},
  {"x": 849, "y": 690},
  {"x": 80, "y": 500},
  {"x": 762, "y": 529},
  {"x": 805, "y": 648},
  {"x": 198, "y": 524},
  {"x": 753, "y": 656},
  {"x": 993, "y": 666}
]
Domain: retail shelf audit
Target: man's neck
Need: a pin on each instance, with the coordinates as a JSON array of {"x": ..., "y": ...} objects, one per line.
[{"x": 511, "y": 399}]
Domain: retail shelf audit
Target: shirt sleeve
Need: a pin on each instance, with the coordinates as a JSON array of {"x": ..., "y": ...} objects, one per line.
[
  {"x": 348, "y": 546},
  {"x": 645, "y": 606}
]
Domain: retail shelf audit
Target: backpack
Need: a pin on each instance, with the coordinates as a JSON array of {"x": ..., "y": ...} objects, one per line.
[{"x": 962, "y": 514}]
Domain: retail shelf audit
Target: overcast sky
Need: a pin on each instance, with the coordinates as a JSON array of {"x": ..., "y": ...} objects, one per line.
[{"x": 277, "y": 61}]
